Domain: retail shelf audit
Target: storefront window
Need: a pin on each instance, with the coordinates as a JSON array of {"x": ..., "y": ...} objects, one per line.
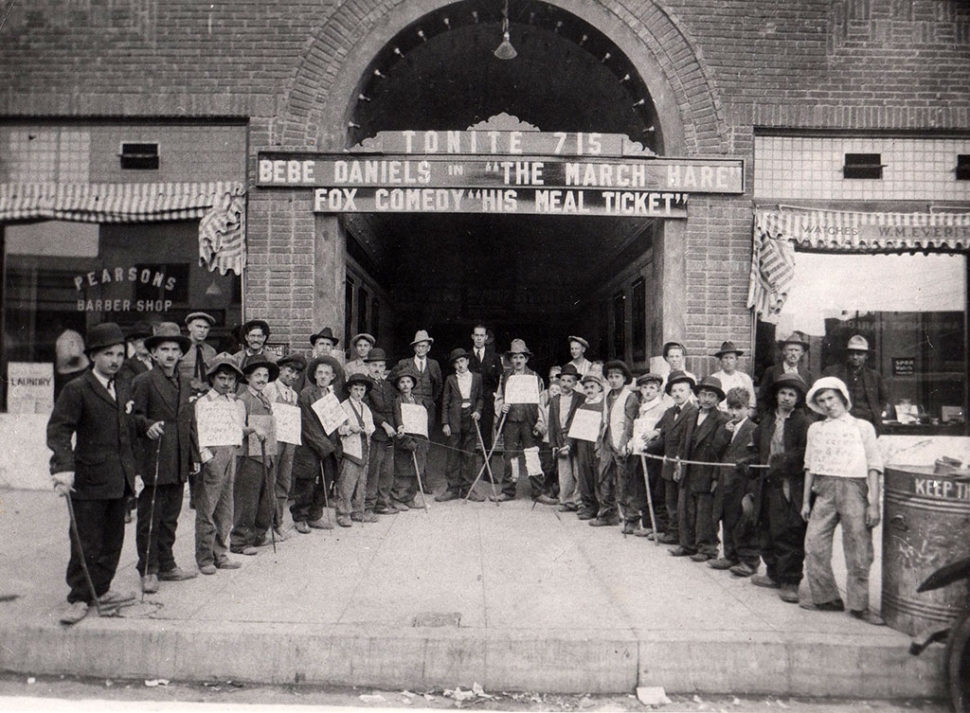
[{"x": 911, "y": 309}]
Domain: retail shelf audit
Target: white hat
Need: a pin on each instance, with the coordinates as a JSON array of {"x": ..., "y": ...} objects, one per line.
[{"x": 827, "y": 382}]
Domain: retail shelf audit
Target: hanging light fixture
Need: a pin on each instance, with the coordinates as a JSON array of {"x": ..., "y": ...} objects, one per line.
[{"x": 505, "y": 50}]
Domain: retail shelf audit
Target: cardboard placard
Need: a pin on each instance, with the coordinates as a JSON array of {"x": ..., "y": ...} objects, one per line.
[
  {"x": 586, "y": 425},
  {"x": 289, "y": 423},
  {"x": 641, "y": 427},
  {"x": 522, "y": 389},
  {"x": 415, "y": 419},
  {"x": 330, "y": 412},
  {"x": 219, "y": 423},
  {"x": 265, "y": 424}
]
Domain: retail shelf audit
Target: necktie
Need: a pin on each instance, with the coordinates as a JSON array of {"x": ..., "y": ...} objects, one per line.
[
  {"x": 111, "y": 388},
  {"x": 199, "y": 363},
  {"x": 676, "y": 412},
  {"x": 479, "y": 354},
  {"x": 421, "y": 366}
]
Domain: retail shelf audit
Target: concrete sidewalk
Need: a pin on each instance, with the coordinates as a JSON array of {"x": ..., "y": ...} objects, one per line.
[{"x": 508, "y": 596}]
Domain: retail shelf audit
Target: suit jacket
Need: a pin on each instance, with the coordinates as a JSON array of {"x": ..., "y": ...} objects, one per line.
[
  {"x": 451, "y": 401},
  {"x": 789, "y": 465},
  {"x": 158, "y": 399},
  {"x": 381, "y": 402},
  {"x": 430, "y": 384},
  {"x": 490, "y": 368},
  {"x": 186, "y": 367},
  {"x": 558, "y": 435},
  {"x": 764, "y": 386},
  {"x": 102, "y": 461},
  {"x": 674, "y": 432},
  {"x": 255, "y": 406},
  {"x": 738, "y": 449},
  {"x": 876, "y": 393},
  {"x": 130, "y": 369},
  {"x": 707, "y": 442},
  {"x": 316, "y": 445}
]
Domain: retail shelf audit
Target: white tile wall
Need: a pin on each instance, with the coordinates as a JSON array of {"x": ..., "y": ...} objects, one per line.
[{"x": 810, "y": 168}]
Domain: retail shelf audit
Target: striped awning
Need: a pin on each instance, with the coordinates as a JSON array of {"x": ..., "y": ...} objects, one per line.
[{"x": 219, "y": 205}]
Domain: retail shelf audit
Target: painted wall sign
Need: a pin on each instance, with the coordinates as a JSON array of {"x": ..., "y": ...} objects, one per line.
[
  {"x": 30, "y": 387},
  {"x": 942, "y": 489}
]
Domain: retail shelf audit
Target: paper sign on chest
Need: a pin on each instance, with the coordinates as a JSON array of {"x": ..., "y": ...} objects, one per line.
[
  {"x": 586, "y": 425},
  {"x": 415, "y": 419},
  {"x": 522, "y": 389},
  {"x": 219, "y": 423},
  {"x": 330, "y": 412},
  {"x": 288, "y": 423}
]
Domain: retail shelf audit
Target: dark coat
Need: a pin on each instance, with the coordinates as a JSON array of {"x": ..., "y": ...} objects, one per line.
[
  {"x": 789, "y": 465},
  {"x": 451, "y": 401},
  {"x": 381, "y": 402},
  {"x": 706, "y": 442},
  {"x": 157, "y": 399},
  {"x": 872, "y": 384},
  {"x": 490, "y": 368},
  {"x": 559, "y": 435},
  {"x": 316, "y": 445},
  {"x": 102, "y": 461},
  {"x": 187, "y": 367},
  {"x": 765, "y": 402},
  {"x": 430, "y": 384},
  {"x": 130, "y": 369},
  {"x": 672, "y": 441},
  {"x": 738, "y": 450}
]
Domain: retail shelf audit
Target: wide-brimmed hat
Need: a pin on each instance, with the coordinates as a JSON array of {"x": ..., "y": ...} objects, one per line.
[
  {"x": 574, "y": 338},
  {"x": 402, "y": 372},
  {"x": 458, "y": 353},
  {"x": 670, "y": 345},
  {"x": 253, "y": 323},
  {"x": 358, "y": 378},
  {"x": 827, "y": 382},
  {"x": 365, "y": 336},
  {"x": 225, "y": 360},
  {"x": 139, "y": 330},
  {"x": 621, "y": 366},
  {"x": 710, "y": 383},
  {"x": 376, "y": 354},
  {"x": 258, "y": 361},
  {"x": 727, "y": 348},
  {"x": 647, "y": 377},
  {"x": 295, "y": 361},
  {"x": 325, "y": 333},
  {"x": 311, "y": 369},
  {"x": 798, "y": 338},
  {"x": 677, "y": 377},
  {"x": 518, "y": 347},
  {"x": 857, "y": 343},
  {"x": 570, "y": 370},
  {"x": 201, "y": 315},
  {"x": 102, "y": 336},
  {"x": 168, "y": 332},
  {"x": 421, "y": 336}
]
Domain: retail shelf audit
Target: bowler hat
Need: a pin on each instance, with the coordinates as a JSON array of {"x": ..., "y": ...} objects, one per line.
[
  {"x": 201, "y": 315},
  {"x": 620, "y": 366},
  {"x": 258, "y": 361},
  {"x": 325, "y": 333},
  {"x": 570, "y": 370},
  {"x": 798, "y": 338},
  {"x": 358, "y": 378},
  {"x": 518, "y": 347},
  {"x": 253, "y": 323},
  {"x": 168, "y": 332},
  {"x": 648, "y": 377},
  {"x": 857, "y": 343},
  {"x": 139, "y": 330},
  {"x": 574, "y": 338},
  {"x": 458, "y": 353},
  {"x": 376, "y": 354},
  {"x": 421, "y": 336},
  {"x": 727, "y": 348},
  {"x": 366, "y": 337},
  {"x": 102, "y": 336},
  {"x": 670, "y": 345},
  {"x": 828, "y": 382},
  {"x": 294, "y": 361},
  {"x": 710, "y": 383},
  {"x": 224, "y": 361},
  {"x": 677, "y": 377}
]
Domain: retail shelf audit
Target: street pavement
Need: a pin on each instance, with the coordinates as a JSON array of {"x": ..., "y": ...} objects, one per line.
[{"x": 514, "y": 597}]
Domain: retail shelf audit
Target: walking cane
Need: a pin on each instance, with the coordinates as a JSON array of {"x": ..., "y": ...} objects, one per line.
[
  {"x": 488, "y": 457},
  {"x": 326, "y": 498},
  {"x": 417, "y": 471},
  {"x": 151, "y": 510},
  {"x": 491, "y": 477},
  {"x": 267, "y": 484},
  {"x": 646, "y": 482},
  {"x": 80, "y": 551}
]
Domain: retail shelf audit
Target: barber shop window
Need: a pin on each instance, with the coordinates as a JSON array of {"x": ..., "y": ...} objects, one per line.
[{"x": 910, "y": 312}]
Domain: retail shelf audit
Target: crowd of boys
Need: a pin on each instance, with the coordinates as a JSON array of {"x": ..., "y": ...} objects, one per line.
[{"x": 668, "y": 456}]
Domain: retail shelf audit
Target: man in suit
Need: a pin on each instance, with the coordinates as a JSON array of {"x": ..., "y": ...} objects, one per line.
[
  {"x": 194, "y": 364},
  {"x": 461, "y": 408},
  {"x": 483, "y": 360},
  {"x": 163, "y": 421},
  {"x": 867, "y": 392},
  {"x": 794, "y": 351},
  {"x": 669, "y": 439},
  {"x": 430, "y": 380},
  {"x": 140, "y": 360},
  {"x": 562, "y": 408},
  {"x": 98, "y": 472},
  {"x": 380, "y": 467}
]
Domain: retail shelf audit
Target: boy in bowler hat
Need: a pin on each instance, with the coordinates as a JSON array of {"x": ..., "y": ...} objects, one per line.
[
  {"x": 461, "y": 409},
  {"x": 380, "y": 467}
]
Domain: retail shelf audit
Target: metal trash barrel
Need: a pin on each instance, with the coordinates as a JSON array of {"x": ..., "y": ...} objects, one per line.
[{"x": 926, "y": 525}]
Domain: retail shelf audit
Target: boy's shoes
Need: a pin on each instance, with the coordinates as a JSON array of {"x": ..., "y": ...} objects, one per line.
[
  {"x": 546, "y": 500},
  {"x": 763, "y": 580},
  {"x": 743, "y": 569},
  {"x": 281, "y": 535},
  {"x": 700, "y": 557},
  {"x": 568, "y": 507},
  {"x": 149, "y": 583},
  {"x": 586, "y": 515},
  {"x": 112, "y": 598},
  {"x": 722, "y": 563},
  {"x": 301, "y": 527},
  {"x": 386, "y": 510},
  {"x": 868, "y": 616},
  {"x": 788, "y": 593},
  {"x": 668, "y": 539},
  {"x": 369, "y": 517},
  {"x": 501, "y": 498},
  {"x": 264, "y": 541},
  {"x": 357, "y": 517},
  {"x": 680, "y": 552},
  {"x": 628, "y": 527},
  {"x": 642, "y": 532},
  {"x": 228, "y": 564},
  {"x": 834, "y": 605},
  {"x": 248, "y": 550},
  {"x": 611, "y": 521},
  {"x": 321, "y": 524},
  {"x": 416, "y": 504},
  {"x": 344, "y": 521},
  {"x": 74, "y": 613},
  {"x": 400, "y": 507},
  {"x": 475, "y": 496},
  {"x": 207, "y": 568},
  {"x": 176, "y": 574},
  {"x": 446, "y": 496}
]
